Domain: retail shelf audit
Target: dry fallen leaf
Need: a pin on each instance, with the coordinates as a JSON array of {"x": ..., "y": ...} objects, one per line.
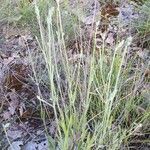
[
  {"x": 143, "y": 54},
  {"x": 43, "y": 145},
  {"x": 8, "y": 60},
  {"x": 6, "y": 115},
  {"x": 22, "y": 41},
  {"x": 109, "y": 10},
  {"x": 15, "y": 145},
  {"x": 14, "y": 134},
  {"x": 30, "y": 146},
  {"x": 14, "y": 103},
  {"x": 110, "y": 39}
]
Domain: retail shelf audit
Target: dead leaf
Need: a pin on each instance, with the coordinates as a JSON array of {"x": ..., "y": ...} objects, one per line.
[
  {"x": 30, "y": 146},
  {"x": 27, "y": 114},
  {"x": 22, "y": 41},
  {"x": 109, "y": 10},
  {"x": 14, "y": 103},
  {"x": 8, "y": 60},
  {"x": 16, "y": 76},
  {"x": 16, "y": 145},
  {"x": 143, "y": 54},
  {"x": 110, "y": 39},
  {"x": 147, "y": 73},
  {"x": 43, "y": 145},
  {"x": 13, "y": 106},
  {"x": 14, "y": 134},
  {"x": 6, "y": 115}
]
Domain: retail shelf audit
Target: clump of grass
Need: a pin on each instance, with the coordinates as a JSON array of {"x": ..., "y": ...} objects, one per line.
[{"x": 96, "y": 108}]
